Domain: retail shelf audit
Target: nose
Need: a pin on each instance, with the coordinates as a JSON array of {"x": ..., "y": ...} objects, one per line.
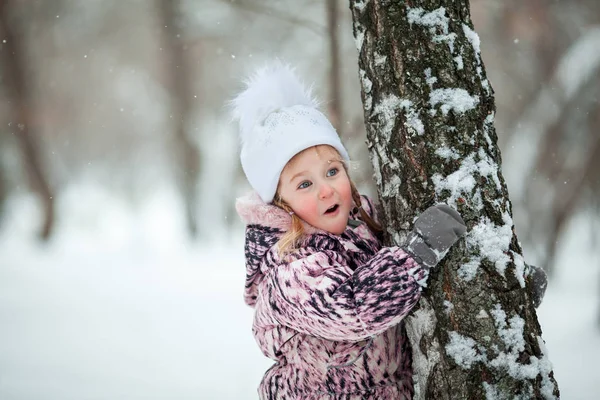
[{"x": 325, "y": 191}]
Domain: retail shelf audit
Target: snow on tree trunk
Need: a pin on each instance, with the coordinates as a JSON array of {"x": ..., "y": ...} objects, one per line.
[{"x": 429, "y": 114}]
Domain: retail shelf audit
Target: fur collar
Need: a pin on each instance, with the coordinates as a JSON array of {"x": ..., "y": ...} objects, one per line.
[{"x": 252, "y": 210}]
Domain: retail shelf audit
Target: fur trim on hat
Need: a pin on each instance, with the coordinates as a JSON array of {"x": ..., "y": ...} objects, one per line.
[{"x": 271, "y": 88}]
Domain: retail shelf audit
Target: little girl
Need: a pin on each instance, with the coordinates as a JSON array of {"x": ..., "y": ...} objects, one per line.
[{"x": 328, "y": 298}]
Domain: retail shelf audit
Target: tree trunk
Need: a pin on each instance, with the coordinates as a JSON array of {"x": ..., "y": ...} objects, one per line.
[
  {"x": 3, "y": 185},
  {"x": 14, "y": 66},
  {"x": 335, "y": 86},
  {"x": 187, "y": 154},
  {"x": 429, "y": 114}
]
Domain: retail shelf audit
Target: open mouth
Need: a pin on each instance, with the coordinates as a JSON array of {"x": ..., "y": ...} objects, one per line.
[{"x": 332, "y": 209}]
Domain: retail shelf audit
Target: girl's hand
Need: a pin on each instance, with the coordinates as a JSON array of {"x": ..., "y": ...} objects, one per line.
[
  {"x": 536, "y": 283},
  {"x": 435, "y": 231}
]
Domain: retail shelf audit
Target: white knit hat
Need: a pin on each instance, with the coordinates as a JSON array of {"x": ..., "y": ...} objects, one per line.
[{"x": 278, "y": 119}]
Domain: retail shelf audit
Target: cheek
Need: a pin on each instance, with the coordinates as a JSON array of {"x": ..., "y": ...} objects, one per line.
[
  {"x": 346, "y": 192},
  {"x": 306, "y": 208}
]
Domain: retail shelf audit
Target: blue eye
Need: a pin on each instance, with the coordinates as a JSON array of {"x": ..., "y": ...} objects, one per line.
[
  {"x": 334, "y": 170},
  {"x": 304, "y": 185}
]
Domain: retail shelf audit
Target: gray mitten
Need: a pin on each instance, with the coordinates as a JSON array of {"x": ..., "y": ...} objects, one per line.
[
  {"x": 435, "y": 231},
  {"x": 536, "y": 284}
]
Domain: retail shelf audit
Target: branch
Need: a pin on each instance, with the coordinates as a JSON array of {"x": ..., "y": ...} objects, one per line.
[
  {"x": 577, "y": 66},
  {"x": 272, "y": 12},
  {"x": 565, "y": 202}
]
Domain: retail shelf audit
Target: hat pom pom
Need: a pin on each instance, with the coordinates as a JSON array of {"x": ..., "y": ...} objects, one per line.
[{"x": 271, "y": 88}]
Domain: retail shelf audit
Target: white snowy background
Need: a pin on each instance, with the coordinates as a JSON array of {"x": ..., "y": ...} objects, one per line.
[{"x": 121, "y": 303}]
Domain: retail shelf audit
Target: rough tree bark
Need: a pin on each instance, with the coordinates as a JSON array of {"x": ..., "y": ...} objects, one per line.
[{"x": 429, "y": 114}]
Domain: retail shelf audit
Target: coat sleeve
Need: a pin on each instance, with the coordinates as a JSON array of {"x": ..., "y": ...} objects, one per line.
[{"x": 321, "y": 296}]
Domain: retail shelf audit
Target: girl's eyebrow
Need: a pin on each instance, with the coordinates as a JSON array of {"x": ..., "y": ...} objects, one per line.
[
  {"x": 304, "y": 172},
  {"x": 298, "y": 174}
]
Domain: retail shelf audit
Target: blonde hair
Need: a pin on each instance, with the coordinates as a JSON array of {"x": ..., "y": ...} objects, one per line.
[{"x": 292, "y": 239}]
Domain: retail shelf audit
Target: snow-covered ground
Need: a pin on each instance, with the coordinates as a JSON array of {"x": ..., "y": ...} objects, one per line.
[{"x": 121, "y": 305}]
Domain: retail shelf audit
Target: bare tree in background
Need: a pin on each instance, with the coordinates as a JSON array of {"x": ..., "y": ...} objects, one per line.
[
  {"x": 187, "y": 155},
  {"x": 429, "y": 112},
  {"x": 560, "y": 125},
  {"x": 14, "y": 66},
  {"x": 3, "y": 185},
  {"x": 335, "y": 84}
]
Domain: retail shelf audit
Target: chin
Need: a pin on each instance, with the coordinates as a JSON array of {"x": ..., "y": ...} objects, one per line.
[{"x": 338, "y": 230}]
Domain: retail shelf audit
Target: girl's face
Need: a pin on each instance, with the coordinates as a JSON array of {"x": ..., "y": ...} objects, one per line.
[{"x": 315, "y": 185}]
